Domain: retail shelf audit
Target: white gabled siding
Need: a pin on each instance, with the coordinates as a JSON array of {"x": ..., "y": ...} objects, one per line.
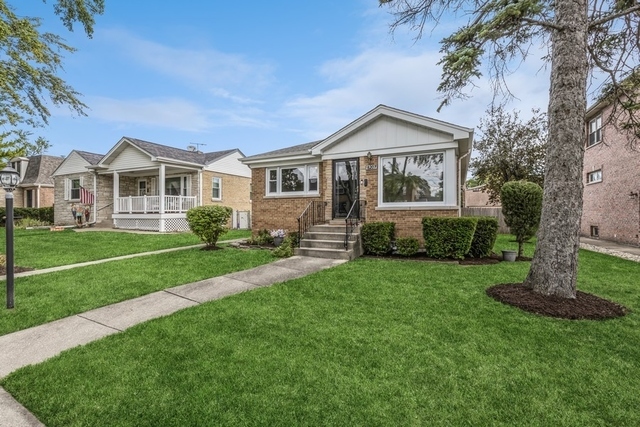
[
  {"x": 73, "y": 164},
  {"x": 389, "y": 133},
  {"x": 131, "y": 158},
  {"x": 230, "y": 165}
]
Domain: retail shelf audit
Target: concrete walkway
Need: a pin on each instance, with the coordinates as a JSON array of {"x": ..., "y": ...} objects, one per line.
[{"x": 40, "y": 343}]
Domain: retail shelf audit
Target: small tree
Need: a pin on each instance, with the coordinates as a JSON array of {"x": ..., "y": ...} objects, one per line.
[
  {"x": 509, "y": 150},
  {"x": 521, "y": 207},
  {"x": 209, "y": 222}
]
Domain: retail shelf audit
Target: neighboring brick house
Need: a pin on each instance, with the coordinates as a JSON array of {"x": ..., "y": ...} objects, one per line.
[
  {"x": 477, "y": 197},
  {"x": 148, "y": 186},
  {"x": 35, "y": 189},
  {"x": 611, "y": 179},
  {"x": 389, "y": 164}
]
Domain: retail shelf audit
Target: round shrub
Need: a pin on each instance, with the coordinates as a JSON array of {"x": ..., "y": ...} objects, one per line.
[
  {"x": 209, "y": 222},
  {"x": 407, "y": 246}
]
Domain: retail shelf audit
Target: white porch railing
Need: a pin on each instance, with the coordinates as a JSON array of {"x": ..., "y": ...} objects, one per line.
[{"x": 151, "y": 204}]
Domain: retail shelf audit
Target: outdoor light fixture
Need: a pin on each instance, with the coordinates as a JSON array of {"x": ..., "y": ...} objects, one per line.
[
  {"x": 9, "y": 178},
  {"x": 369, "y": 157}
]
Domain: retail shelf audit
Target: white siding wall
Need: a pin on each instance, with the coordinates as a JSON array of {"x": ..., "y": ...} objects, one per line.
[
  {"x": 389, "y": 133},
  {"x": 73, "y": 164},
  {"x": 230, "y": 165},
  {"x": 131, "y": 158}
]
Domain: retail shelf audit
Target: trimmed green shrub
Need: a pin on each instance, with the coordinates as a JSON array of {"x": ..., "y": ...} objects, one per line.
[
  {"x": 521, "y": 207},
  {"x": 209, "y": 222},
  {"x": 448, "y": 237},
  {"x": 377, "y": 237},
  {"x": 484, "y": 237},
  {"x": 262, "y": 238},
  {"x": 407, "y": 246},
  {"x": 289, "y": 243}
]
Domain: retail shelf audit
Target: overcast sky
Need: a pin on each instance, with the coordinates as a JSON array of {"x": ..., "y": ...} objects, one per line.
[{"x": 257, "y": 76}]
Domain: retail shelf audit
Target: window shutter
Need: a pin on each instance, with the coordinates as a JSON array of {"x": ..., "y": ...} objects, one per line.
[{"x": 67, "y": 185}]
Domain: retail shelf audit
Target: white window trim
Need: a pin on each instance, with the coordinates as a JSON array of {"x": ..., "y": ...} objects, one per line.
[
  {"x": 219, "y": 179},
  {"x": 68, "y": 187},
  {"x": 146, "y": 186},
  {"x": 595, "y": 181},
  {"x": 279, "y": 191},
  {"x": 598, "y": 131},
  {"x": 183, "y": 186},
  {"x": 382, "y": 205}
]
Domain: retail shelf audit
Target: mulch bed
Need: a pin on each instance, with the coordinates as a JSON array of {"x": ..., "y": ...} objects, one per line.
[
  {"x": 584, "y": 307},
  {"x": 16, "y": 269}
]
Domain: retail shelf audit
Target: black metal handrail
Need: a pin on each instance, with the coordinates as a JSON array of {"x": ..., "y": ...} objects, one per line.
[
  {"x": 313, "y": 214},
  {"x": 355, "y": 215}
]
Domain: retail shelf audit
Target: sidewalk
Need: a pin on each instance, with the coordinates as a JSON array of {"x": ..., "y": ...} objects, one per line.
[
  {"x": 40, "y": 343},
  {"x": 631, "y": 253}
]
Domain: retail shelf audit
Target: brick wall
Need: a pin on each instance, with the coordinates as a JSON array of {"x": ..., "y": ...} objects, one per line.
[
  {"x": 235, "y": 190},
  {"x": 607, "y": 204},
  {"x": 277, "y": 212}
]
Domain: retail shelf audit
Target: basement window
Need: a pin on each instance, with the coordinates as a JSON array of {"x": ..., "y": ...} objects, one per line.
[{"x": 594, "y": 231}]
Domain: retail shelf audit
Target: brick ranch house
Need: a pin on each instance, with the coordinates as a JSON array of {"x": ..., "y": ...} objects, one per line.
[
  {"x": 35, "y": 189},
  {"x": 141, "y": 185},
  {"x": 611, "y": 178},
  {"x": 388, "y": 165}
]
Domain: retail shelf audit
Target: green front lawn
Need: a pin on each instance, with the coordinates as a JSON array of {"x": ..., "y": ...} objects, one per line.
[
  {"x": 47, "y": 297},
  {"x": 371, "y": 342},
  {"x": 44, "y": 248}
]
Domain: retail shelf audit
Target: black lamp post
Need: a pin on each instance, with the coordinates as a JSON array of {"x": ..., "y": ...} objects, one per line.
[{"x": 9, "y": 178}]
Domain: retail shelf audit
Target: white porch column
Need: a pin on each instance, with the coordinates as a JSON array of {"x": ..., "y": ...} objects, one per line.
[
  {"x": 95, "y": 196},
  {"x": 116, "y": 191},
  {"x": 199, "y": 201},
  {"x": 161, "y": 179}
]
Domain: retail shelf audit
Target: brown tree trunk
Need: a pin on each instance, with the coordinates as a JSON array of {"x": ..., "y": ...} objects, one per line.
[{"x": 555, "y": 261}]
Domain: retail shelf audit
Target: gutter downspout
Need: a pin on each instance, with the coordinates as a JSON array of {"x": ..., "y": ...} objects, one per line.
[{"x": 463, "y": 182}]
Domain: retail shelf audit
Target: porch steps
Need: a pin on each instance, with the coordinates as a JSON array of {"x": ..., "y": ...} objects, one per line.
[{"x": 327, "y": 241}]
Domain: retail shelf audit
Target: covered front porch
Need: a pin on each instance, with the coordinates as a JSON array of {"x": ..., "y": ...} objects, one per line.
[{"x": 155, "y": 199}]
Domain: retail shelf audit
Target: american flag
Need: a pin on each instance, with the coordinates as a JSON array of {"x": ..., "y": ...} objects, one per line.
[{"x": 86, "y": 196}]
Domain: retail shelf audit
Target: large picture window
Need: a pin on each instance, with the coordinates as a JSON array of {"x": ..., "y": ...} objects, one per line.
[
  {"x": 302, "y": 179},
  {"x": 415, "y": 179}
]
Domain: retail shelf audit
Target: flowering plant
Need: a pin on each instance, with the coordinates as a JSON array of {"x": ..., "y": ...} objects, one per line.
[{"x": 278, "y": 233}]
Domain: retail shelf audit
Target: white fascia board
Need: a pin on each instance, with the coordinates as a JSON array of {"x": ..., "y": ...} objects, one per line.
[
  {"x": 167, "y": 160},
  {"x": 395, "y": 150},
  {"x": 280, "y": 160}
]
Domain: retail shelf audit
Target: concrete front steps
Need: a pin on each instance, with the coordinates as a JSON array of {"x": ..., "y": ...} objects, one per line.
[{"x": 327, "y": 241}]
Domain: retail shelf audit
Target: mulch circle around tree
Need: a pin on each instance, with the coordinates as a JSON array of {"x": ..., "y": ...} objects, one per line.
[
  {"x": 16, "y": 269},
  {"x": 584, "y": 307}
]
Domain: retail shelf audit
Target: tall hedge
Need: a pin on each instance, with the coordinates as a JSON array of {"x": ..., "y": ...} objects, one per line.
[
  {"x": 40, "y": 214},
  {"x": 377, "y": 237},
  {"x": 484, "y": 237},
  {"x": 521, "y": 207},
  {"x": 448, "y": 237}
]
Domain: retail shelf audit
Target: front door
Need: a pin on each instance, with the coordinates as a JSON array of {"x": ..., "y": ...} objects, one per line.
[{"x": 345, "y": 187}]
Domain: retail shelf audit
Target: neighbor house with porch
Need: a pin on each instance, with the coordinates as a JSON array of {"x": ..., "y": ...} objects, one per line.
[
  {"x": 388, "y": 165},
  {"x": 141, "y": 185}
]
